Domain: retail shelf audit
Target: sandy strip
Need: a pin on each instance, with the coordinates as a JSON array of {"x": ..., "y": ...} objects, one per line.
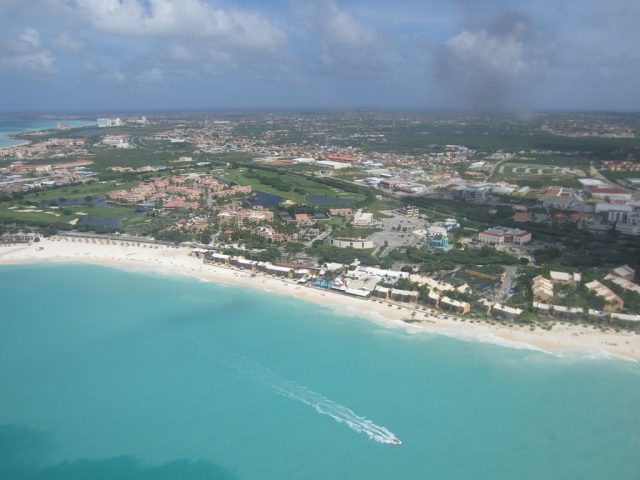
[{"x": 562, "y": 339}]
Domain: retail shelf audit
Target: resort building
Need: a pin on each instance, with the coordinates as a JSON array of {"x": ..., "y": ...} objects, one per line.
[
  {"x": 625, "y": 271},
  {"x": 613, "y": 301},
  {"x": 626, "y": 317},
  {"x": 598, "y": 314},
  {"x": 404, "y": 296},
  {"x": 564, "y": 277},
  {"x": 381, "y": 292},
  {"x": 216, "y": 257},
  {"x": 242, "y": 262},
  {"x": 504, "y": 236},
  {"x": 566, "y": 312},
  {"x": 455, "y": 305},
  {"x": 542, "y": 288},
  {"x": 437, "y": 239},
  {"x": 409, "y": 211},
  {"x": 612, "y": 194},
  {"x": 361, "y": 218},
  {"x": 623, "y": 283},
  {"x": 505, "y": 311},
  {"x": 543, "y": 308},
  {"x": 349, "y": 242}
]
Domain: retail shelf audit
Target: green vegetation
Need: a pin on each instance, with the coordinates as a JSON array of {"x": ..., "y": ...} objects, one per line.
[{"x": 433, "y": 262}]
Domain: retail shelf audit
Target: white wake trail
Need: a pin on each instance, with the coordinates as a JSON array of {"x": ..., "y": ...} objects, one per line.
[{"x": 318, "y": 402}]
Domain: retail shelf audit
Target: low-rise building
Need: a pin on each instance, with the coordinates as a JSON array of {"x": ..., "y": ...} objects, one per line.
[
  {"x": 567, "y": 312},
  {"x": 455, "y": 305},
  {"x": 542, "y": 288},
  {"x": 564, "y": 277},
  {"x": 613, "y": 301},
  {"x": 504, "y": 236},
  {"x": 351, "y": 242},
  {"x": 625, "y": 271},
  {"x": 404, "y": 296},
  {"x": 623, "y": 283},
  {"x": 505, "y": 311}
]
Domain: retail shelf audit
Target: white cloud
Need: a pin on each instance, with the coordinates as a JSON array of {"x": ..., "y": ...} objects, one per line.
[
  {"x": 333, "y": 24},
  {"x": 194, "y": 19},
  {"x": 483, "y": 51},
  {"x": 66, "y": 41},
  {"x": 496, "y": 67},
  {"x": 24, "y": 54},
  {"x": 30, "y": 36}
]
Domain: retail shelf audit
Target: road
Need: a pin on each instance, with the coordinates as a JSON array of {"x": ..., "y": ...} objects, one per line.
[{"x": 507, "y": 283}]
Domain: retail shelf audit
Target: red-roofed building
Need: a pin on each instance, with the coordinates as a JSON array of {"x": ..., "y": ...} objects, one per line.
[
  {"x": 522, "y": 217},
  {"x": 180, "y": 203},
  {"x": 613, "y": 194}
]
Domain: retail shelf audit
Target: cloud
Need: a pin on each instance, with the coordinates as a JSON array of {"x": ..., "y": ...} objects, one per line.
[
  {"x": 25, "y": 54},
  {"x": 492, "y": 66},
  {"x": 339, "y": 43},
  {"x": 189, "y": 19},
  {"x": 333, "y": 24},
  {"x": 66, "y": 41}
]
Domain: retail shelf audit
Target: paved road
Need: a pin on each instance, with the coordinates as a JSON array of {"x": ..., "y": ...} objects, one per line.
[{"x": 507, "y": 283}]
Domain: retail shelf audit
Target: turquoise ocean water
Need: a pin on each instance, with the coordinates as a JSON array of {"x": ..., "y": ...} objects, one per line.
[
  {"x": 9, "y": 127},
  {"x": 106, "y": 374}
]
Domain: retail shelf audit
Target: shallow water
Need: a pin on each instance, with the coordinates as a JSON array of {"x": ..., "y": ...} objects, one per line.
[{"x": 111, "y": 374}]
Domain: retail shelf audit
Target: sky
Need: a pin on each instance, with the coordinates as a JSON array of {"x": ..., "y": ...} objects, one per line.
[{"x": 155, "y": 55}]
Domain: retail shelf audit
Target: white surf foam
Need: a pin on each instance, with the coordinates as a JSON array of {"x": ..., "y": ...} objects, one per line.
[{"x": 321, "y": 404}]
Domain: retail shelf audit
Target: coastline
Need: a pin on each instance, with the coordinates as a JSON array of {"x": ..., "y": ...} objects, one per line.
[{"x": 177, "y": 261}]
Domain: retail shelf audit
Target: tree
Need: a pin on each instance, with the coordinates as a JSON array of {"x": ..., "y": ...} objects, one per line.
[{"x": 294, "y": 247}]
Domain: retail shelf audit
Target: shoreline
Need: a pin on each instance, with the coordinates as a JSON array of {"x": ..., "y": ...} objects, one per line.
[{"x": 563, "y": 339}]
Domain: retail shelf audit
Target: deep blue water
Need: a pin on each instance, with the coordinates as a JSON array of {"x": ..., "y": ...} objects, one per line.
[{"x": 107, "y": 374}]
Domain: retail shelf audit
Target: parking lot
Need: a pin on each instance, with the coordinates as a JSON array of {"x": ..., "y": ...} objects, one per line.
[{"x": 398, "y": 231}]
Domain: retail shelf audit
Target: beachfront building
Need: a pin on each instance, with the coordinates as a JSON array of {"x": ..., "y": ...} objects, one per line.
[
  {"x": 567, "y": 312},
  {"x": 244, "y": 263},
  {"x": 613, "y": 301},
  {"x": 505, "y": 311},
  {"x": 598, "y": 315},
  {"x": 542, "y": 288},
  {"x": 626, "y": 317},
  {"x": 404, "y": 296},
  {"x": 352, "y": 242},
  {"x": 455, "y": 306},
  {"x": 504, "y": 236},
  {"x": 543, "y": 308},
  {"x": 216, "y": 257},
  {"x": 275, "y": 270},
  {"x": 433, "y": 298},
  {"x": 381, "y": 292}
]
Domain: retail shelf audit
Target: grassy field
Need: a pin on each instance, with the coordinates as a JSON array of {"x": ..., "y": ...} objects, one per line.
[
  {"x": 537, "y": 175},
  {"x": 98, "y": 189},
  {"x": 309, "y": 187}
]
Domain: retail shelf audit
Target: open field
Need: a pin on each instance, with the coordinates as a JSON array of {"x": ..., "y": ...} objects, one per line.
[{"x": 304, "y": 187}]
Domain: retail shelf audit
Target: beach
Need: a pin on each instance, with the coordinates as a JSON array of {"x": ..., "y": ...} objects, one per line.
[{"x": 563, "y": 339}]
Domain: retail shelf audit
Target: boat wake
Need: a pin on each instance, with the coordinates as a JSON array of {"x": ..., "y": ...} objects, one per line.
[{"x": 321, "y": 404}]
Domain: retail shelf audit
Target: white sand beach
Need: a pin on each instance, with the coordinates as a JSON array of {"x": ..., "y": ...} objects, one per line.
[{"x": 563, "y": 339}]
